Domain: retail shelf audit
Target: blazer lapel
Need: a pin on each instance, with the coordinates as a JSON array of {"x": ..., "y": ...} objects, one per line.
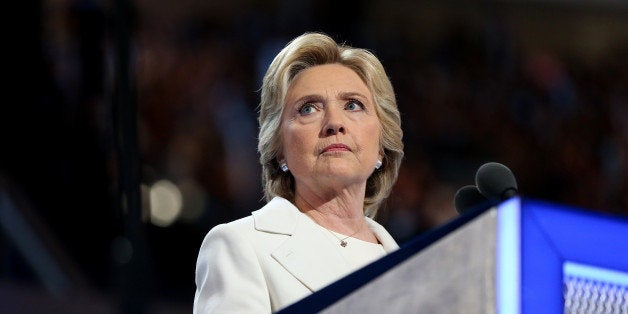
[{"x": 307, "y": 254}]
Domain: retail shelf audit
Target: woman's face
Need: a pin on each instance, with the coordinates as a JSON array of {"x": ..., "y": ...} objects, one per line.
[{"x": 330, "y": 129}]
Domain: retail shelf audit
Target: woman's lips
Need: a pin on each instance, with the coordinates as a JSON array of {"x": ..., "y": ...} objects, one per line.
[{"x": 336, "y": 148}]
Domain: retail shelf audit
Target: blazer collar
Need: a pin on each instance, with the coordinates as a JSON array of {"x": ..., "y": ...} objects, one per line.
[
  {"x": 307, "y": 253},
  {"x": 277, "y": 216},
  {"x": 387, "y": 241}
]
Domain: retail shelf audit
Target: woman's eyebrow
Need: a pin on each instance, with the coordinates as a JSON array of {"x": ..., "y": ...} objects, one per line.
[
  {"x": 320, "y": 98},
  {"x": 310, "y": 97},
  {"x": 345, "y": 95}
]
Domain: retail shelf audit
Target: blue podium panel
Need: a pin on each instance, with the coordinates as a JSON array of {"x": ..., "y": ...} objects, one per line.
[
  {"x": 572, "y": 260},
  {"x": 520, "y": 256}
]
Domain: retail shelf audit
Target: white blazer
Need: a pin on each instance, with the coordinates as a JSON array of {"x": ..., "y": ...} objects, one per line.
[{"x": 269, "y": 260}]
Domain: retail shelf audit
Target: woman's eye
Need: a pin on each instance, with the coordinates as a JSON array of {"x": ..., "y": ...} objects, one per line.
[
  {"x": 306, "y": 109},
  {"x": 354, "y": 105}
]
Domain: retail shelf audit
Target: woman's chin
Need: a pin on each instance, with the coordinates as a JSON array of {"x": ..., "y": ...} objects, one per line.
[{"x": 344, "y": 175}]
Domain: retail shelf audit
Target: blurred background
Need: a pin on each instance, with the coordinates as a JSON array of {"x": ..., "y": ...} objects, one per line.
[{"x": 132, "y": 129}]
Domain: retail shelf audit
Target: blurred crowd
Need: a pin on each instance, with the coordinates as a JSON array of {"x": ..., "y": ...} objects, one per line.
[
  {"x": 477, "y": 94},
  {"x": 470, "y": 89}
]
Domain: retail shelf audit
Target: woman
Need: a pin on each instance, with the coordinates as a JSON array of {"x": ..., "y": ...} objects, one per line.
[{"x": 330, "y": 144}]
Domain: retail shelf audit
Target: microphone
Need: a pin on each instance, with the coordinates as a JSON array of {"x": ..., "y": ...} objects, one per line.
[
  {"x": 496, "y": 182},
  {"x": 468, "y": 197}
]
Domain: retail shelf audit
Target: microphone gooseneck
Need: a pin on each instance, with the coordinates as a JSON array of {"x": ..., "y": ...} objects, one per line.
[{"x": 496, "y": 182}]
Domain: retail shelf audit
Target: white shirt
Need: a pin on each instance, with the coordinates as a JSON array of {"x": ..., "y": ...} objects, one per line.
[{"x": 357, "y": 253}]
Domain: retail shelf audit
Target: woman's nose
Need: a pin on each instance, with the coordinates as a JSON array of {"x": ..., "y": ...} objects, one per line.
[
  {"x": 333, "y": 130},
  {"x": 334, "y": 123}
]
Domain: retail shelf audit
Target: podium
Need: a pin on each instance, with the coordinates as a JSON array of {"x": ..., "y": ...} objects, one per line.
[{"x": 520, "y": 256}]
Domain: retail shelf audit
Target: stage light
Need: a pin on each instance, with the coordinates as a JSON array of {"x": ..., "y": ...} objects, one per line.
[{"x": 165, "y": 203}]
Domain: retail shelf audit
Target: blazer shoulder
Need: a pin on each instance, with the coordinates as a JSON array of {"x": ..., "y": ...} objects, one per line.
[
  {"x": 278, "y": 216},
  {"x": 228, "y": 233}
]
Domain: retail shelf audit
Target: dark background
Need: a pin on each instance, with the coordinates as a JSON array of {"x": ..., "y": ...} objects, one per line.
[{"x": 540, "y": 86}]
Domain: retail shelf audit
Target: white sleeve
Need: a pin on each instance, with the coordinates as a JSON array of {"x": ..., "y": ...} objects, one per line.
[{"x": 229, "y": 278}]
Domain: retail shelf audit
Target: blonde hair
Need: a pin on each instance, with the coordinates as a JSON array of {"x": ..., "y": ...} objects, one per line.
[{"x": 312, "y": 49}]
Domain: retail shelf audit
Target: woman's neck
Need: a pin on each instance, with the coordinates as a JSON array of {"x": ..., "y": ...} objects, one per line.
[{"x": 343, "y": 215}]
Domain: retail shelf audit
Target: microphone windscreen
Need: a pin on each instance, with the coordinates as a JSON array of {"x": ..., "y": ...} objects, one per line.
[
  {"x": 495, "y": 181},
  {"x": 468, "y": 197}
]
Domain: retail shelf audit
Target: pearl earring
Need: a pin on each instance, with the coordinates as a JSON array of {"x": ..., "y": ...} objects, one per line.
[
  {"x": 378, "y": 164},
  {"x": 284, "y": 167}
]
